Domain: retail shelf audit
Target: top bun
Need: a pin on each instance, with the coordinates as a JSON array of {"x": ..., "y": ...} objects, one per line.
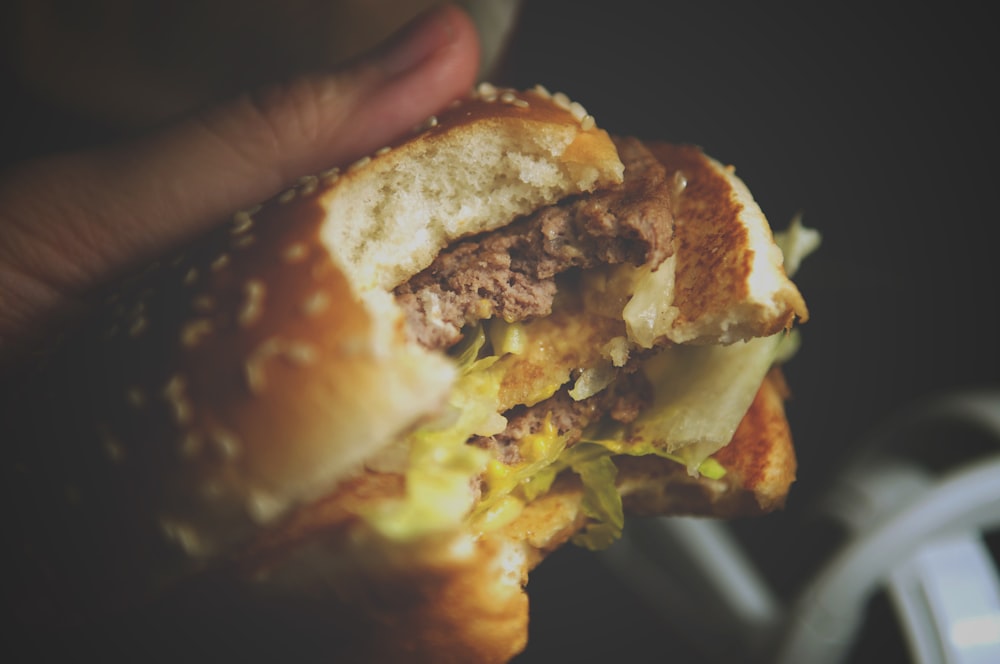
[
  {"x": 259, "y": 368},
  {"x": 730, "y": 283},
  {"x": 476, "y": 166}
]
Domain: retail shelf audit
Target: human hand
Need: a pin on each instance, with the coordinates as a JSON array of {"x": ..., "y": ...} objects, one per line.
[{"x": 70, "y": 222}]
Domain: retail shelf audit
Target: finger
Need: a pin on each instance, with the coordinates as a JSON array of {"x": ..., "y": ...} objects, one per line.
[
  {"x": 262, "y": 141},
  {"x": 70, "y": 222}
]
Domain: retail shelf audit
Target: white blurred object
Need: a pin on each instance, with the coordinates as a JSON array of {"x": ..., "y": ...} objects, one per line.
[{"x": 912, "y": 533}]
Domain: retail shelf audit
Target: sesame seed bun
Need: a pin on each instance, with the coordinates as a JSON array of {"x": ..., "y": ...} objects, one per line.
[
  {"x": 255, "y": 370},
  {"x": 236, "y": 420}
]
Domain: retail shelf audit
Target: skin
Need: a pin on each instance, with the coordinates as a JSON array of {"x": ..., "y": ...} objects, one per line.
[{"x": 70, "y": 222}]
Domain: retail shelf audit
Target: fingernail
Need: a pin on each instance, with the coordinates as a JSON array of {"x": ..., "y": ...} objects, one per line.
[{"x": 417, "y": 41}]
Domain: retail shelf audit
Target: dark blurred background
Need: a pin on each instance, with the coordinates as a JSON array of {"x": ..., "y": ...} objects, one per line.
[{"x": 879, "y": 126}]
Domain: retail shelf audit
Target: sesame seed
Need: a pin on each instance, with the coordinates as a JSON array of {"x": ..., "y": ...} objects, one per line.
[
  {"x": 241, "y": 223},
  {"x": 561, "y": 100},
  {"x": 521, "y": 103},
  {"x": 254, "y": 375},
  {"x": 184, "y": 535},
  {"x": 295, "y": 252},
  {"x": 383, "y": 150},
  {"x": 226, "y": 443},
  {"x": 330, "y": 172},
  {"x": 263, "y": 507},
  {"x": 588, "y": 123},
  {"x": 254, "y": 291},
  {"x": 316, "y": 304},
  {"x": 486, "y": 89},
  {"x": 173, "y": 392},
  {"x": 182, "y": 411},
  {"x": 286, "y": 196},
  {"x": 360, "y": 163},
  {"x": 508, "y": 97},
  {"x": 174, "y": 385},
  {"x": 253, "y": 368},
  {"x": 429, "y": 123},
  {"x": 220, "y": 262},
  {"x": 194, "y": 331},
  {"x": 331, "y": 176},
  {"x": 308, "y": 184},
  {"x": 577, "y": 110},
  {"x": 300, "y": 353},
  {"x": 191, "y": 276},
  {"x": 542, "y": 91}
]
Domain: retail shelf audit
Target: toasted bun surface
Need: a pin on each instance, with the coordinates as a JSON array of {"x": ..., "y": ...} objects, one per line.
[{"x": 730, "y": 283}]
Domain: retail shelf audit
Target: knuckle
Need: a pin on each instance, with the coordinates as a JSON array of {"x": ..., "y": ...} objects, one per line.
[{"x": 291, "y": 111}]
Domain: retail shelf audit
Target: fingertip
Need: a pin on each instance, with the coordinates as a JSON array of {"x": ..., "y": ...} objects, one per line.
[
  {"x": 329, "y": 119},
  {"x": 425, "y": 66},
  {"x": 441, "y": 28}
]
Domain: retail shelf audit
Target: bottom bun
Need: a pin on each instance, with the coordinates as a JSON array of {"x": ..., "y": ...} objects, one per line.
[{"x": 325, "y": 588}]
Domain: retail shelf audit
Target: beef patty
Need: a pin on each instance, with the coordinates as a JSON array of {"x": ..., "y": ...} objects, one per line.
[{"x": 510, "y": 272}]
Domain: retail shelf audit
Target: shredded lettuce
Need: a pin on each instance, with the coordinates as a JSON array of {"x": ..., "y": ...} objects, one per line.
[
  {"x": 601, "y": 500},
  {"x": 442, "y": 467},
  {"x": 468, "y": 349},
  {"x": 527, "y": 479},
  {"x": 700, "y": 395},
  {"x": 796, "y": 242}
]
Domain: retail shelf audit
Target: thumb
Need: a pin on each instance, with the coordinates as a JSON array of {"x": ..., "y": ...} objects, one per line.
[
  {"x": 69, "y": 222},
  {"x": 262, "y": 141}
]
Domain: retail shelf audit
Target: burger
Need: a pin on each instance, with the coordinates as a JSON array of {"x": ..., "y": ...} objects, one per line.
[{"x": 374, "y": 403}]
